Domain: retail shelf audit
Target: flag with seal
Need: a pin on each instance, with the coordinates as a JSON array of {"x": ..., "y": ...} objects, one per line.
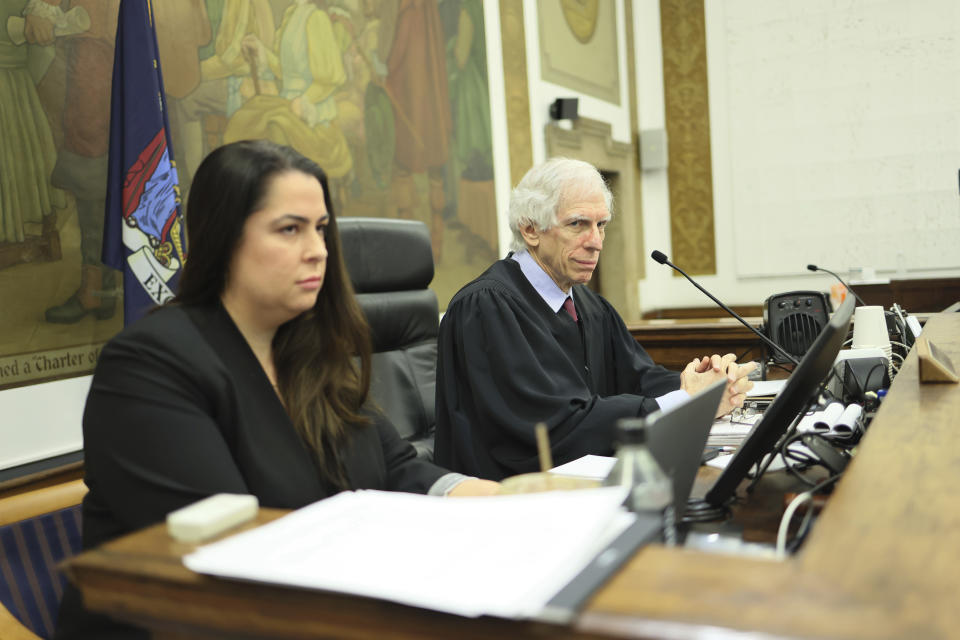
[{"x": 144, "y": 233}]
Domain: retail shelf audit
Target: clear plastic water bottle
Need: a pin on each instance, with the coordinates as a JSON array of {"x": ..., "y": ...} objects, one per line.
[{"x": 651, "y": 490}]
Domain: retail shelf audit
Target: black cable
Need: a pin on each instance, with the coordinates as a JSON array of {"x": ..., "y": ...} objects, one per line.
[
  {"x": 805, "y": 460},
  {"x": 882, "y": 367},
  {"x": 787, "y": 435},
  {"x": 900, "y": 326},
  {"x": 843, "y": 383},
  {"x": 762, "y": 466}
]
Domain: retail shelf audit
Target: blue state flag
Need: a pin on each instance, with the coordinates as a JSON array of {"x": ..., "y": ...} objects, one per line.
[{"x": 144, "y": 233}]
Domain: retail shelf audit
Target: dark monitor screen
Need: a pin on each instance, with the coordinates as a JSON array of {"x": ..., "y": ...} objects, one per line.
[{"x": 799, "y": 389}]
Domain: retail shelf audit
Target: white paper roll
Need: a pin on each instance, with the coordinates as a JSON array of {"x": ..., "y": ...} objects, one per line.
[
  {"x": 849, "y": 420},
  {"x": 828, "y": 417}
]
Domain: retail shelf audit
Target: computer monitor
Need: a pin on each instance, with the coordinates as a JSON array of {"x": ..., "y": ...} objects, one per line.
[{"x": 799, "y": 389}]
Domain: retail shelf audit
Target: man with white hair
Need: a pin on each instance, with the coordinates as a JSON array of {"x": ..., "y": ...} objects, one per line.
[{"x": 526, "y": 342}]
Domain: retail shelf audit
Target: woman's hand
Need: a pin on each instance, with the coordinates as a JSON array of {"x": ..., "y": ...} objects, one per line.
[{"x": 475, "y": 487}]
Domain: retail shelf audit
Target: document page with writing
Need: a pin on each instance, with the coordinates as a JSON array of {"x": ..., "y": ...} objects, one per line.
[
  {"x": 504, "y": 556},
  {"x": 588, "y": 466}
]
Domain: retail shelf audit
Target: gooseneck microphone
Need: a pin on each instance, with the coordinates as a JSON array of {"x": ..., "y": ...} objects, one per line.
[
  {"x": 662, "y": 259},
  {"x": 813, "y": 267}
]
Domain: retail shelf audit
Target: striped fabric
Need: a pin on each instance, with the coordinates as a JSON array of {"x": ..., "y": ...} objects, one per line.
[{"x": 30, "y": 585}]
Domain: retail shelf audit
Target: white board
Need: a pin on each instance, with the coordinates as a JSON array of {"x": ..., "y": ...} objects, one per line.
[{"x": 844, "y": 133}]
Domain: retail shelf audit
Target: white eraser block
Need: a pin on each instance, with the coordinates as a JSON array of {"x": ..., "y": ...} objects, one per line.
[{"x": 211, "y": 516}]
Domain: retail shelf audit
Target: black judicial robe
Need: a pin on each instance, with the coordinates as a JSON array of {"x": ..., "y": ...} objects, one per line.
[
  {"x": 180, "y": 409},
  {"x": 506, "y": 361}
]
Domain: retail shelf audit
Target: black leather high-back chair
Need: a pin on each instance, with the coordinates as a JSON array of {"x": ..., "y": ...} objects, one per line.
[{"x": 390, "y": 263}]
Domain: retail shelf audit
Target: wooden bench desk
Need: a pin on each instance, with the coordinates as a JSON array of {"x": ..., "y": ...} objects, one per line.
[{"x": 882, "y": 561}]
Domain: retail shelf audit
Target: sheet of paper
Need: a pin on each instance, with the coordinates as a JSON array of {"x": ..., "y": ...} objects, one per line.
[
  {"x": 589, "y": 466},
  {"x": 766, "y": 388},
  {"x": 721, "y": 462},
  {"x": 504, "y": 556}
]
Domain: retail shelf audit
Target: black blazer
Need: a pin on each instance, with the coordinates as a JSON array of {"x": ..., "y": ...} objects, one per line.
[
  {"x": 506, "y": 361},
  {"x": 180, "y": 409}
]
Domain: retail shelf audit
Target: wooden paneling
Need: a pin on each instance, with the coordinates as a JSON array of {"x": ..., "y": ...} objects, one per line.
[
  {"x": 688, "y": 313},
  {"x": 674, "y": 343},
  {"x": 915, "y": 295}
]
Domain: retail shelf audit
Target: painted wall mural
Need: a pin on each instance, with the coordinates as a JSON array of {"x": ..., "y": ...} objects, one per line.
[{"x": 389, "y": 96}]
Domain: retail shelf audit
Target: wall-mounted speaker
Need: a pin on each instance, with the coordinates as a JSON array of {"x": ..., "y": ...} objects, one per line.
[
  {"x": 793, "y": 320},
  {"x": 653, "y": 149}
]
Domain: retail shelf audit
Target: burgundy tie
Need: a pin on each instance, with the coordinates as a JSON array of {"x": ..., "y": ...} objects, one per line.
[{"x": 568, "y": 307}]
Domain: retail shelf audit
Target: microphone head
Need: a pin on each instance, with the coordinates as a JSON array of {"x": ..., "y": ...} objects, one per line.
[
  {"x": 659, "y": 257},
  {"x": 812, "y": 267}
]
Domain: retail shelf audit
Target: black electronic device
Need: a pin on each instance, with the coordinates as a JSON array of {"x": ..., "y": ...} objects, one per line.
[
  {"x": 795, "y": 396},
  {"x": 794, "y": 320},
  {"x": 830, "y": 457},
  {"x": 861, "y": 375},
  {"x": 813, "y": 267},
  {"x": 564, "y": 109},
  {"x": 907, "y": 327},
  {"x": 661, "y": 258}
]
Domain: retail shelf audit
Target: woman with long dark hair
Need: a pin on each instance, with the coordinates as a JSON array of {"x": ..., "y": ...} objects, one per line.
[{"x": 254, "y": 380}]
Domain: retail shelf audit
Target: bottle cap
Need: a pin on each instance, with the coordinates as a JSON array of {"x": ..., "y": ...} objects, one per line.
[{"x": 631, "y": 431}]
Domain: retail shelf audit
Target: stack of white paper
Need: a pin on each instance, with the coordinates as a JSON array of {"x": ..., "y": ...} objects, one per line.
[
  {"x": 727, "y": 432},
  {"x": 732, "y": 429},
  {"x": 504, "y": 556}
]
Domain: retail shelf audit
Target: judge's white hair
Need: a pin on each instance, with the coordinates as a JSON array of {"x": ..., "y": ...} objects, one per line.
[{"x": 537, "y": 198}]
